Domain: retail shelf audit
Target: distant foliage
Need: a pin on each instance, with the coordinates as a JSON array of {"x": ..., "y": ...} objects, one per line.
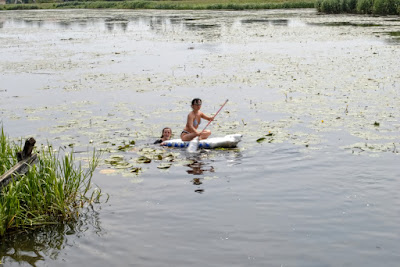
[
  {"x": 389, "y": 7},
  {"x": 364, "y": 6},
  {"x": 161, "y": 4},
  {"x": 376, "y": 7},
  {"x": 349, "y": 6},
  {"x": 329, "y": 6}
]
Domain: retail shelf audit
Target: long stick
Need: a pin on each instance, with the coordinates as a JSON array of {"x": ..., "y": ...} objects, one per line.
[{"x": 214, "y": 116}]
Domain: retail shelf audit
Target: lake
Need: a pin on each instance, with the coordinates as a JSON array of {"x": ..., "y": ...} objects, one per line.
[{"x": 314, "y": 181}]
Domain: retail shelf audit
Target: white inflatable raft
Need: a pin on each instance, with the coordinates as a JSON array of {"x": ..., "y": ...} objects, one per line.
[{"x": 228, "y": 141}]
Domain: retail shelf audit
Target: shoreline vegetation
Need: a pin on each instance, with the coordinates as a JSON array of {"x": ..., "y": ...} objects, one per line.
[
  {"x": 371, "y": 7},
  {"x": 54, "y": 190},
  {"x": 374, "y": 7},
  {"x": 160, "y": 4}
]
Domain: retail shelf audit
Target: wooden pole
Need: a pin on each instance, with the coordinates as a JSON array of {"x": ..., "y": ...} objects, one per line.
[{"x": 25, "y": 159}]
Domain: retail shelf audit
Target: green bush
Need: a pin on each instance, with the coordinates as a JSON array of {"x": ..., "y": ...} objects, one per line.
[
  {"x": 44, "y": 1},
  {"x": 364, "y": 6},
  {"x": 100, "y": 5},
  {"x": 385, "y": 7},
  {"x": 318, "y": 5},
  {"x": 330, "y": 6},
  {"x": 398, "y": 7},
  {"x": 20, "y": 6},
  {"x": 134, "y": 4},
  {"x": 379, "y": 7},
  {"x": 349, "y": 6}
]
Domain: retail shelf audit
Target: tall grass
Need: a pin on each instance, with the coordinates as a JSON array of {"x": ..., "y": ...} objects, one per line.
[
  {"x": 53, "y": 191},
  {"x": 7, "y": 150},
  {"x": 376, "y": 7},
  {"x": 389, "y": 7},
  {"x": 170, "y": 4}
]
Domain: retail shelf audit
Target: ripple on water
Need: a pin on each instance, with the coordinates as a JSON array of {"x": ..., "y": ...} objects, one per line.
[{"x": 319, "y": 89}]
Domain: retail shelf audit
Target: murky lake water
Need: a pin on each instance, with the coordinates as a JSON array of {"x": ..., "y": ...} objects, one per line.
[{"x": 323, "y": 90}]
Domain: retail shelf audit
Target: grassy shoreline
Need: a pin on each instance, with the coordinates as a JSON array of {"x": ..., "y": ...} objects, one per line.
[
  {"x": 53, "y": 191},
  {"x": 371, "y": 7},
  {"x": 172, "y": 5},
  {"x": 375, "y": 7}
]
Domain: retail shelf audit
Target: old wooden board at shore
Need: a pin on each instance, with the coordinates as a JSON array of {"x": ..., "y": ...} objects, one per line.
[{"x": 25, "y": 160}]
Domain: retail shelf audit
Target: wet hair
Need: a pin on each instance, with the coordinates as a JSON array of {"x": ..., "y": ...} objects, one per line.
[
  {"x": 196, "y": 101},
  {"x": 162, "y": 132}
]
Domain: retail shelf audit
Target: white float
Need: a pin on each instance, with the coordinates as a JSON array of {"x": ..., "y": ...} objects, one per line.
[{"x": 228, "y": 141}]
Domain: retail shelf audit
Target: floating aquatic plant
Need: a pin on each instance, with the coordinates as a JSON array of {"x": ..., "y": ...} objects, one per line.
[
  {"x": 143, "y": 159},
  {"x": 114, "y": 160},
  {"x": 262, "y": 139},
  {"x": 135, "y": 170},
  {"x": 164, "y": 165}
]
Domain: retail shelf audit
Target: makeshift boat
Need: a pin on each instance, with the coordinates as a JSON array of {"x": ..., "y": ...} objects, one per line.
[{"x": 228, "y": 141}]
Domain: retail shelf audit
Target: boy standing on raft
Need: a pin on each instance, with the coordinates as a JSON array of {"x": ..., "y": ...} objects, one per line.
[{"x": 193, "y": 121}]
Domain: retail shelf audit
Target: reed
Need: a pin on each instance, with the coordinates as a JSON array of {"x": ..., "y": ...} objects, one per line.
[
  {"x": 329, "y": 6},
  {"x": 53, "y": 191},
  {"x": 386, "y": 7},
  {"x": 7, "y": 150},
  {"x": 376, "y": 7},
  {"x": 175, "y": 5},
  {"x": 364, "y": 6}
]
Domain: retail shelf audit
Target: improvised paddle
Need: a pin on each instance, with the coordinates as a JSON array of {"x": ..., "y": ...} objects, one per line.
[{"x": 194, "y": 144}]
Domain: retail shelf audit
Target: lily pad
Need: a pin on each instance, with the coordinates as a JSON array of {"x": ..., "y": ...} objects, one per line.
[
  {"x": 136, "y": 170},
  {"x": 143, "y": 159},
  {"x": 123, "y": 147},
  {"x": 262, "y": 139},
  {"x": 164, "y": 165}
]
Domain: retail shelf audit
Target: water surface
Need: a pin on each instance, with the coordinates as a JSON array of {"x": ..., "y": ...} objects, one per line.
[{"x": 323, "y": 90}]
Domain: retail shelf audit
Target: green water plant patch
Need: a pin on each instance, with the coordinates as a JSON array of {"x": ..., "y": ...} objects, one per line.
[
  {"x": 53, "y": 191},
  {"x": 267, "y": 138}
]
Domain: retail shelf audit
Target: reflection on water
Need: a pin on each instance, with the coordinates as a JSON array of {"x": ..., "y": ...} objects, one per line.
[
  {"x": 64, "y": 24},
  {"x": 345, "y": 23},
  {"x": 195, "y": 27},
  {"x": 200, "y": 164},
  {"x": 35, "y": 245},
  {"x": 204, "y": 25},
  {"x": 395, "y": 40},
  {"x": 273, "y": 22},
  {"x": 112, "y": 23},
  {"x": 269, "y": 204},
  {"x": 198, "y": 167}
]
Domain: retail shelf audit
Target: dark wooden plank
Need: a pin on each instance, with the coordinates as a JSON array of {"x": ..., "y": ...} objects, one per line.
[
  {"x": 25, "y": 159},
  {"x": 27, "y": 151},
  {"x": 20, "y": 168}
]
